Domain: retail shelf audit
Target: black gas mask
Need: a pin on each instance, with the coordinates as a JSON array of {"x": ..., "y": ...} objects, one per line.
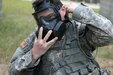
[{"x": 52, "y": 20}]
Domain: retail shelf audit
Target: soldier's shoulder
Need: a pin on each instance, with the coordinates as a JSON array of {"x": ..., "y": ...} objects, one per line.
[
  {"x": 28, "y": 41},
  {"x": 80, "y": 26}
]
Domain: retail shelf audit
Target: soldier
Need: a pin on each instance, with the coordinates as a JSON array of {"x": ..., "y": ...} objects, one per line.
[{"x": 62, "y": 45}]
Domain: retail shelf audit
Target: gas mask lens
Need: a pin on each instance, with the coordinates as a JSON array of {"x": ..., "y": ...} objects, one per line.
[{"x": 48, "y": 14}]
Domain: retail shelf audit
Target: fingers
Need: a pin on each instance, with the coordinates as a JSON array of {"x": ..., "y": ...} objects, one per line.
[
  {"x": 50, "y": 43},
  {"x": 35, "y": 40},
  {"x": 40, "y": 33},
  {"x": 47, "y": 35},
  {"x": 71, "y": 6}
]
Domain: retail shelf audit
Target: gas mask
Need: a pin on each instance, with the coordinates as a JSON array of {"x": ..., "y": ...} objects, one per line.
[{"x": 52, "y": 21}]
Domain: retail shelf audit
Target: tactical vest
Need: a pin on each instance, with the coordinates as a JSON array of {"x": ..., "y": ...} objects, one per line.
[{"x": 66, "y": 56}]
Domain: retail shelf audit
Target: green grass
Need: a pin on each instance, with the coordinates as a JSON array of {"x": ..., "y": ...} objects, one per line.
[
  {"x": 106, "y": 52},
  {"x": 96, "y": 10},
  {"x": 17, "y": 23}
]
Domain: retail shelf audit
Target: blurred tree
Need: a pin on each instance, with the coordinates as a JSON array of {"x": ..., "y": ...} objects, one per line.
[
  {"x": 92, "y": 1},
  {"x": 0, "y": 8},
  {"x": 80, "y": 0},
  {"x": 106, "y": 9},
  {"x": 88, "y": 1}
]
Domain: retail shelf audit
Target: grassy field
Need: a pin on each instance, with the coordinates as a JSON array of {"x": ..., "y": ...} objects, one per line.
[{"x": 17, "y": 23}]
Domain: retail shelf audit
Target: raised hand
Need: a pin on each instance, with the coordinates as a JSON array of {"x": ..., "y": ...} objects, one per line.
[{"x": 41, "y": 46}]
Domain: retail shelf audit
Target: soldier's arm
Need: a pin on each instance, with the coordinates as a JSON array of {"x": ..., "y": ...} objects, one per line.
[
  {"x": 22, "y": 58},
  {"x": 99, "y": 30},
  {"x": 25, "y": 59}
]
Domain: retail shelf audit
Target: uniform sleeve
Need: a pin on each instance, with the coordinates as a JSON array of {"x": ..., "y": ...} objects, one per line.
[
  {"x": 99, "y": 30},
  {"x": 22, "y": 58}
]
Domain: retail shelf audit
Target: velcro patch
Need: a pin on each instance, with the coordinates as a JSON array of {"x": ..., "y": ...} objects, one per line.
[{"x": 23, "y": 44}]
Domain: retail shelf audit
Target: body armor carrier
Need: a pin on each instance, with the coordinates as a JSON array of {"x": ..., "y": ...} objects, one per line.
[{"x": 66, "y": 56}]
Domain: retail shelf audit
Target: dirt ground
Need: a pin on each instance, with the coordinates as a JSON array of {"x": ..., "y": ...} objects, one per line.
[
  {"x": 3, "y": 69},
  {"x": 104, "y": 63}
]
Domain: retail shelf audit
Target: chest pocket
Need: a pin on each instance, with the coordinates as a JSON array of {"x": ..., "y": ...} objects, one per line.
[{"x": 71, "y": 37}]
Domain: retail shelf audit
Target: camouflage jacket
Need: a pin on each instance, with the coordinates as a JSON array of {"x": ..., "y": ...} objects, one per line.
[{"x": 99, "y": 33}]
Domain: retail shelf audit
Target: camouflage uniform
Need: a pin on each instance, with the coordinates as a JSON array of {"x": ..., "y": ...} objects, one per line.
[{"x": 72, "y": 55}]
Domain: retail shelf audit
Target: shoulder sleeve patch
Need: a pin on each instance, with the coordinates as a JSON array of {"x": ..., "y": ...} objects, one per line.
[{"x": 23, "y": 44}]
